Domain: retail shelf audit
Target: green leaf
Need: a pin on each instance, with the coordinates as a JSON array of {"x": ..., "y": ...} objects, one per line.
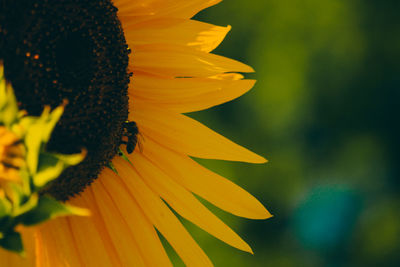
[
  {"x": 12, "y": 241},
  {"x": 16, "y": 194},
  {"x": 70, "y": 160},
  {"x": 33, "y": 144},
  {"x": 8, "y": 104},
  {"x": 50, "y": 167},
  {"x": 26, "y": 180},
  {"x": 49, "y": 208},
  {"x": 124, "y": 156},
  {"x": 38, "y": 134},
  {"x": 23, "y": 125},
  {"x": 5, "y": 207},
  {"x": 51, "y": 121},
  {"x": 111, "y": 166},
  {"x": 28, "y": 205}
]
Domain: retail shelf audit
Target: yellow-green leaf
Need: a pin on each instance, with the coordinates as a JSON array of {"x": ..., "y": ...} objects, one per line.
[
  {"x": 12, "y": 241},
  {"x": 49, "y": 208},
  {"x": 49, "y": 168}
]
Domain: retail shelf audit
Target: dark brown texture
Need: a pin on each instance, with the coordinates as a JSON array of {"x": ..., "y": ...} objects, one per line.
[{"x": 73, "y": 50}]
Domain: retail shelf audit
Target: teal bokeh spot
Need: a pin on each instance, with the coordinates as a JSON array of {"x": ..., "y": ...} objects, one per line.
[{"x": 326, "y": 217}]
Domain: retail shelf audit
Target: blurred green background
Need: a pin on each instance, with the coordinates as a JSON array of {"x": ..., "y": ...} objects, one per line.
[{"x": 324, "y": 112}]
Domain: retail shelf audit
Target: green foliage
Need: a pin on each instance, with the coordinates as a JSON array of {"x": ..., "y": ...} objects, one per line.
[
  {"x": 8, "y": 103},
  {"x": 324, "y": 112},
  {"x": 112, "y": 167},
  {"x": 21, "y": 202},
  {"x": 124, "y": 156},
  {"x": 48, "y": 208},
  {"x": 12, "y": 241}
]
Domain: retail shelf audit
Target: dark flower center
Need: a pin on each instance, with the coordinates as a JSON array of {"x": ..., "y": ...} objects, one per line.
[
  {"x": 70, "y": 49},
  {"x": 74, "y": 60}
]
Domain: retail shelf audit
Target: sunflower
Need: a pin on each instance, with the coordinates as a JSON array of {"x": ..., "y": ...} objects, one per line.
[{"x": 129, "y": 70}]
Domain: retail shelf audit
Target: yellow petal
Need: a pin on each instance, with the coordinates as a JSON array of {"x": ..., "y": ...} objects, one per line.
[
  {"x": 162, "y": 217},
  {"x": 189, "y": 94},
  {"x": 142, "y": 230},
  {"x": 90, "y": 233},
  {"x": 59, "y": 244},
  {"x": 41, "y": 253},
  {"x": 188, "y": 136},
  {"x": 214, "y": 188},
  {"x": 182, "y": 61},
  {"x": 184, "y": 203},
  {"x": 12, "y": 259},
  {"x": 153, "y": 87},
  {"x": 125, "y": 245},
  {"x": 202, "y": 36}
]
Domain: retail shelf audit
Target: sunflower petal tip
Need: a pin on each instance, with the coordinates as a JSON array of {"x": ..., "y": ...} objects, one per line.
[
  {"x": 264, "y": 160},
  {"x": 262, "y": 213},
  {"x": 259, "y": 160},
  {"x": 265, "y": 216},
  {"x": 243, "y": 246},
  {"x": 269, "y": 215},
  {"x": 250, "y": 251},
  {"x": 247, "y": 69}
]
